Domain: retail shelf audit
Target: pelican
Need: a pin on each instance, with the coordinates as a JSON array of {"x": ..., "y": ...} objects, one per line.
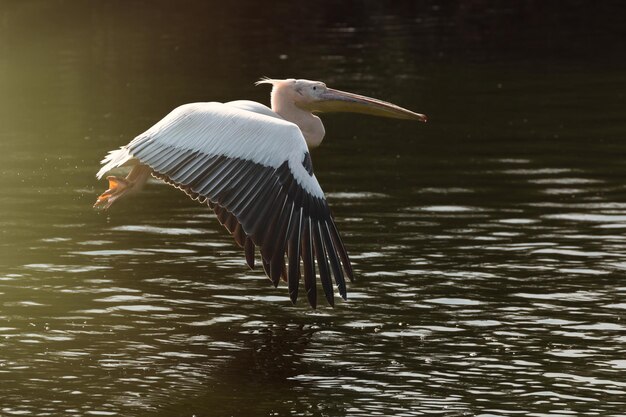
[{"x": 252, "y": 166}]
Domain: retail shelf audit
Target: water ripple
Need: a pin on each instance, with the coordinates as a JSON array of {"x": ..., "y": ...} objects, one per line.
[{"x": 160, "y": 230}]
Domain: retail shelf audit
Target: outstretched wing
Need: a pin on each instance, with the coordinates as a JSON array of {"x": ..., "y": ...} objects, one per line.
[{"x": 254, "y": 170}]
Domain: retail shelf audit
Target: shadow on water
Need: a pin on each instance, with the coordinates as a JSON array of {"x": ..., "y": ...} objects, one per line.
[
  {"x": 488, "y": 245},
  {"x": 261, "y": 366}
]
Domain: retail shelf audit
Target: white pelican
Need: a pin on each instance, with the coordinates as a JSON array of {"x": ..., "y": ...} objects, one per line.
[{"x": 251, "y": 165}]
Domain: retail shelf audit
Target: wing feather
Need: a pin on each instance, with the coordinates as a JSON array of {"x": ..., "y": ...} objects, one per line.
[
  {"x": 249, "y": 251},
  {"x": 322, "y": 263},
  {"x": 308, "y": 264},
  {"x": 167, "y": 159},
  {"x": 195, "y": 168},
  {"x": 254, "y": 170},
  {"x": 294, "y": 255},
  {"x": 335, "y": 266}
]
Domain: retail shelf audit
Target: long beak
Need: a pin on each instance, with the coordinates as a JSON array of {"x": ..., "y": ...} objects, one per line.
[{"x": 340, "y": 101}]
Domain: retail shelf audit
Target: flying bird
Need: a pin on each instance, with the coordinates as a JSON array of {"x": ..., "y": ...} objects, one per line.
[{"x": 252, "y": 166}]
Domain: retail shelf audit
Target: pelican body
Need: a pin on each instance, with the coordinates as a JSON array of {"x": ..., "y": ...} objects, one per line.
[{"x": 252, "y": 166}]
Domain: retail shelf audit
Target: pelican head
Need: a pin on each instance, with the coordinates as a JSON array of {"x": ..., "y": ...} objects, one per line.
[
  {"x": 297, "y": 100},
  {"x": 316, "y": 97}
]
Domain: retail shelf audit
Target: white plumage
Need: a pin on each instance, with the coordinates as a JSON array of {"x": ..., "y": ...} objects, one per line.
[
  {"x": 237, "y": 130},
  {"x": 251, "y": 165}
]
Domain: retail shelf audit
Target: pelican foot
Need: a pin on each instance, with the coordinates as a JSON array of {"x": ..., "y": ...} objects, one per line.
[{"x": 117, "y": 188}]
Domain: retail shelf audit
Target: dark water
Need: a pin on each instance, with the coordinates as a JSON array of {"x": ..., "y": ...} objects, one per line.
[{"x": 489, "y": 245}]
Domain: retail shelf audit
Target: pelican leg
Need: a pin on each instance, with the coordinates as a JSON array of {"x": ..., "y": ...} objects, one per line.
[{"x": 121, "y": 187}]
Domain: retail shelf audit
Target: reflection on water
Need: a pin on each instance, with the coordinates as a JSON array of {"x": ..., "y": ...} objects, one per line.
[
  {"x": 488, "y": 246},
  {"x": 515, "y": 305}
]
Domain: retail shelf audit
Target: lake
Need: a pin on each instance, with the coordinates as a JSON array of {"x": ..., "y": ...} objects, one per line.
[{"x": 489, "y": 245}]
